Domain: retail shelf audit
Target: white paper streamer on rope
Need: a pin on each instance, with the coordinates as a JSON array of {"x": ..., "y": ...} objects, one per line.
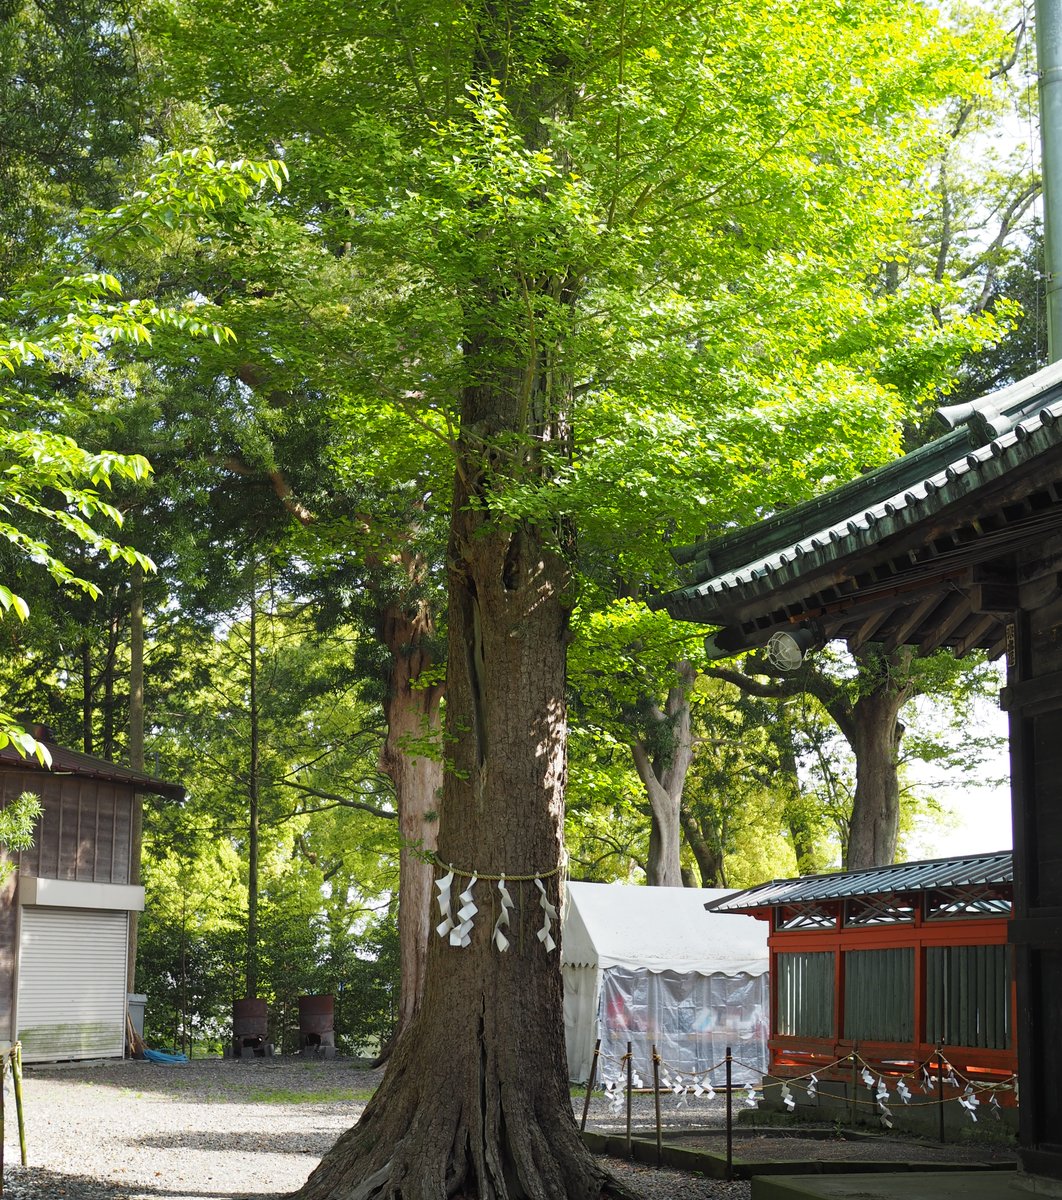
[
  {"x": 813, "y": 1087},
  {"x": 882, "y": 1094},
  {"x": 549, "y": 914},
  {"x": 462, "y": 934},
  {"x": 951, "y": 1079},
  {"x": 447, "y": 922},
  {"x": 970, "y": 1102},
  {"x": 787, "y": 1098},
  {"x": 903, "y": 1091},
  {"x": 886, "y": 1114},
  {"x": 751, "y": 1098},
  {"x": 868, "y": 1079},
  {"x": 928, "y": 1082},
  {"x": 502, "y": 923},
  {"x": 636, "y": 1080},
  {"x": 993, "y": 1104}
]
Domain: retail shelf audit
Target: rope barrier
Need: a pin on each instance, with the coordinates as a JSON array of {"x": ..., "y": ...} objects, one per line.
[
  {"x": 474, "y": 874},
  {"x": 968, "y": 1091}
]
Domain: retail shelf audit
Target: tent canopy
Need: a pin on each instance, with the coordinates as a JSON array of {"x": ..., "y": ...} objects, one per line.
[{"x": 659, "y": 929}]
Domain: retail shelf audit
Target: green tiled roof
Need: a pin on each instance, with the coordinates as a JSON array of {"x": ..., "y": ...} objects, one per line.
[{"x": 1009, "y": 433}]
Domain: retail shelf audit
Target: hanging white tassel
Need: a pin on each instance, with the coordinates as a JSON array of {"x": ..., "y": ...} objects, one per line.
[
  {"x": 813, "y": 1087},
  {"x": 903, "y": 1091},
  {"x": 970, "y": 1102},
  {"x": 502, "y": 923},
  {"x": 462, "y": 934},
  {"x": 447, "y": 922},
  {"x": 787, "y": 1098},
  {"x": 549, "y": 913}
]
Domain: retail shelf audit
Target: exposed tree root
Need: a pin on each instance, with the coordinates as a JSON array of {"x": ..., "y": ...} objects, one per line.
[{"x": 462, "y": 1123}]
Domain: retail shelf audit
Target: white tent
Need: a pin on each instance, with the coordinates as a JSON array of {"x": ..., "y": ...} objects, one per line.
[{"x": 648, "y": 965}]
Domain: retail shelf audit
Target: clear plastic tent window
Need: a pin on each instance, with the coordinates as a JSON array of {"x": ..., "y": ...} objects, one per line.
[{"x": 691, "y": 1018}]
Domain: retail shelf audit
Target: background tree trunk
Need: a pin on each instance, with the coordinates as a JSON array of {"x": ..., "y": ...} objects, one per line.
[
  {"x": 709, "y": 858},
  {"x": 663, "y": 775},
  {"x": 875, "y": 738},
  {"x": 412, "y": 714}
]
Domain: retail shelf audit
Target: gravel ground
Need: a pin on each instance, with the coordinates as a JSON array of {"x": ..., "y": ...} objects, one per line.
[{"x": 219, "y": 1130}]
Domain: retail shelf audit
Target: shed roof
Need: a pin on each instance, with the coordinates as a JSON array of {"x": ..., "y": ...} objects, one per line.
[
  {"x": 72, "y": 762},
  {"x": 659, "y": 929},
  {"x": 862, "y": 558},
  {"x": 965, "y": 870}
]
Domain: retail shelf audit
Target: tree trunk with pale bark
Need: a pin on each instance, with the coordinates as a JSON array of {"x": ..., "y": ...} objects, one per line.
[
  {"x": 875, "y": 733},
  {"x": 413, "y": 717},
  {"x": 663, "y": 775}
]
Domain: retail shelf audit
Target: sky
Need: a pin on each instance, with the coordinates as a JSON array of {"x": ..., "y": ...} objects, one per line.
[{"x": 979, "y": 815}]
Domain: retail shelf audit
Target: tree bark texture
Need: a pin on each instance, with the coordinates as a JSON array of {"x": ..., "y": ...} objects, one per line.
[
  {"x": 413, "y": 715},
  {"x": 875, "y": 738},
  {"x": 663, "y": 775},
  {"x": 709, "y": 858},
  {"x": 475, "y": 1099}
]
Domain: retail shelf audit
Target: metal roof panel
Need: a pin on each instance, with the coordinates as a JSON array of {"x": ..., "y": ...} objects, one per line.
[{"x": 996, "y": 867}]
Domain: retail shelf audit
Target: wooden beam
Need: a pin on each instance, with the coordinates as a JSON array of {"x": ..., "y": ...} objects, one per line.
[
  {"x": 920, "y": 611},
  {"x": 1031, "y": 691},
  {"x": 975, "y": 635},
  {"x": 1041, "y": 591},
  {"x": 993, "y": 598},
  {"x": 870, "y": 626},
  {"x": 944, "y": 626}
]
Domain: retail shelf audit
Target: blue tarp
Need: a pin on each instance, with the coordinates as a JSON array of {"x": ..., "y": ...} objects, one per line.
[{"x": 160, "y": 1056}]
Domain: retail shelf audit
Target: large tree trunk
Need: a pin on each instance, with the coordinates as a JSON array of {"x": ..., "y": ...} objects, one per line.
[
  {"x": 475, "y": 1100},
  {"x": 412, "y": 712},
  {"x": 709, "y": 857},
  {"x": 875, "y": 824},
  {"x": 874, "y": 731},
  {"x": 663, "y": 776}
]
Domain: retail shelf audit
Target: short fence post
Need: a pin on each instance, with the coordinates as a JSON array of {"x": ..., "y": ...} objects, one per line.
[
  {"x": 630, "y": 1093},
  {"x": 3, "y": 1077},
  {"x": 940, "y": 1091},
  {"x": 16, "y": 1075},
  {"x": 854, "y": 1085},
  {"x": 729, "y": 1115},
  {"x": 656, "y": 1104},
  {"x": 590, "y": 1084}
]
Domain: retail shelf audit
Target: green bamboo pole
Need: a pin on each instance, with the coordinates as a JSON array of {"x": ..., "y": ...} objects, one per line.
[
  {"x": 16, "y": 1075},
  {"x": 3, "y": 1074}
]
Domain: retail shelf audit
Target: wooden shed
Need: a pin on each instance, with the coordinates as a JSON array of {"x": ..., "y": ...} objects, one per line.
[
  {"x": 892, "y": 964},
  {"x": 65, "y": 910},
  {"x": 957, "y": 544}
]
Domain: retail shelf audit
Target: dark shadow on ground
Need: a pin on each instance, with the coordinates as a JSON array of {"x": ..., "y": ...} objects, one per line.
[
  {"x": 296, "y": 1142},
  {"x": 35, "y": 1183}
]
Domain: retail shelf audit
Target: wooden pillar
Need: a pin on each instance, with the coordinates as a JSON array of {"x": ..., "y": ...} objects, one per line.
[{"x": 1034, "y": 704}]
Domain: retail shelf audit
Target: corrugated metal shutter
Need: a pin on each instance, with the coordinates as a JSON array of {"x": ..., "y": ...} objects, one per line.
[{"x": 71, "y": 983}]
